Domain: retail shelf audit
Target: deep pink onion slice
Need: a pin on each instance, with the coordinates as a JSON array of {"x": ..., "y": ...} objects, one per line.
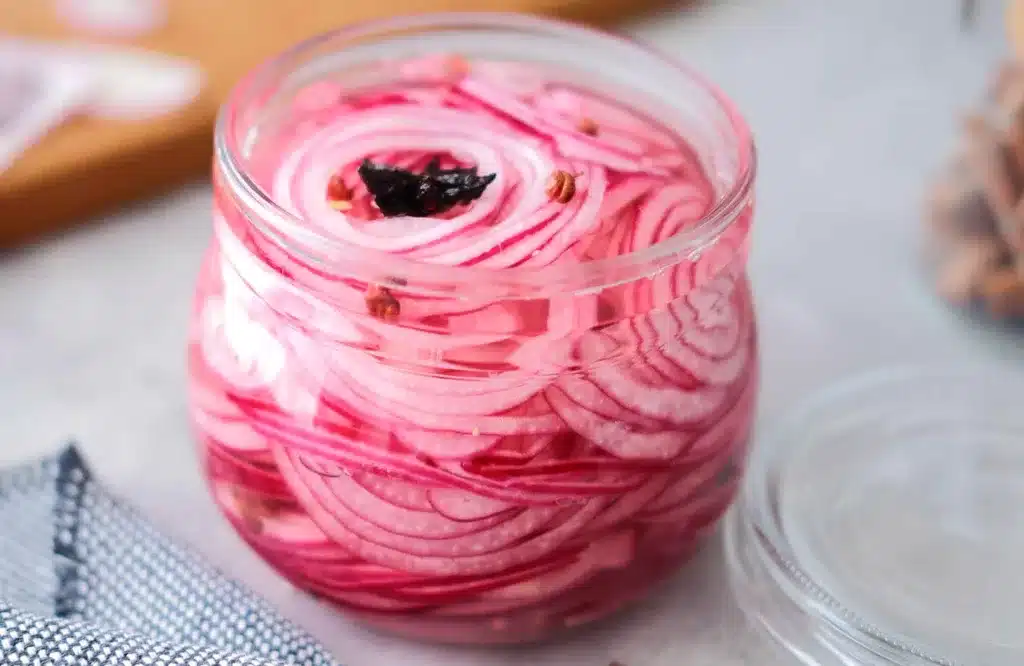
[
  {"x": 432, "y": 532},
  {"x": 247, "y": 472},
  {"x": 451, "y": 589},
  {"x": 289, "y": 529},
  {"x": 344, "y": 526}
]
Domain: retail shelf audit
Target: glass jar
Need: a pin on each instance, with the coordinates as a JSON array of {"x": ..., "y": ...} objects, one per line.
[
  {"x": 880, "y": 523},
  {"x": 466, "y": 451}
]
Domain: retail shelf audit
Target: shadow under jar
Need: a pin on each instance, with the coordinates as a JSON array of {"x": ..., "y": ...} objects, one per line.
[{"x": 507, "y": 418}]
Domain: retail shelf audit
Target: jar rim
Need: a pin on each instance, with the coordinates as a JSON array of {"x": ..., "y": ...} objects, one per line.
[{"x": 495, "y": 283}]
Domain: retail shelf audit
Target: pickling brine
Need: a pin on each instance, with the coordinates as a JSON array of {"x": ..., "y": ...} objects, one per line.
[{"x": 473, "y": 352}]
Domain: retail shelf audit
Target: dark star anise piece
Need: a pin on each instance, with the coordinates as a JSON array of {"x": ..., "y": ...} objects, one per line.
[{"x": 436, "y": 190}]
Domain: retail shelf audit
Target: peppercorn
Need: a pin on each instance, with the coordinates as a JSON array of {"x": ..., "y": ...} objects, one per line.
[
  {"x": 561, "y": 186},
  {"x": 382, "y": 304},
  {"x": 587, "y": 126},
  {"x": 337, "y": 190}
]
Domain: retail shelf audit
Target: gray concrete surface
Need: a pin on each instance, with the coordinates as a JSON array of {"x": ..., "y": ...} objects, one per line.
[{"x": 853, "y": 104}]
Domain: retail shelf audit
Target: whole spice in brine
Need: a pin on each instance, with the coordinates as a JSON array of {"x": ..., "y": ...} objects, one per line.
[
  {"x": 339, "y": 196},
  {"x": 587, "y": 126},
  {"x": 400, "y": 192},
  {"x": 382, "y": 304},
  {"x": 561, "y": 187}
]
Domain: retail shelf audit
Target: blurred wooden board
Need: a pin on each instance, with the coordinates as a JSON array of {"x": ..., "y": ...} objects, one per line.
[{"x": 86, "y": 166}]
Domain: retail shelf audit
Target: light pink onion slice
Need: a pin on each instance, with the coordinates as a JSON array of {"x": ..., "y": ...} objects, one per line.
[
  {"x": 235, "y": 434},
  {"x": 446, "y": 445},
  {"x": 612, "y": 551},
  {"x": 615, "y": 436},
  {"x": 399, "y": 493},
  {"x": 340, "y": 523},
  {"x": 460, "y": 505}
]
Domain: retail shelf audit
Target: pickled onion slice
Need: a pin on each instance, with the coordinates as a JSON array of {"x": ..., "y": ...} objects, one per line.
[
  {"x": 492, "y": 549},
  {"x": 614, "y": 436},
  {"x": 288, "y": 529},
  {"x": 441, "y": 445}
]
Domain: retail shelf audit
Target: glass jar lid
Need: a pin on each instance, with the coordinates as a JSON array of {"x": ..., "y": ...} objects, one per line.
[{"x": 883, "y": 522}]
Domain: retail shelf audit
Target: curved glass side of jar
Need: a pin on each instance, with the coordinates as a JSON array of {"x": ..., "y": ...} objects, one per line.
[
  {"x": 828, "y": 547},
  {"x": 480, "y": 468}
]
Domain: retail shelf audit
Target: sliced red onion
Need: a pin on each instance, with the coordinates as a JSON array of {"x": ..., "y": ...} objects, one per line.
[
  {"x": 444, "y": 445},
  {"x": 288, "y": 529},
  {"x": 477, "y": 459},
  {"x": 400, "y": 493},
  {"x": 357, "y": 534},
  {"x": 460, "y": 505}
]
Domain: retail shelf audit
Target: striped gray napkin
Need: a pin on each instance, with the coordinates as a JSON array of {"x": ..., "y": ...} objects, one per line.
[{"x": 86, "y": 581}]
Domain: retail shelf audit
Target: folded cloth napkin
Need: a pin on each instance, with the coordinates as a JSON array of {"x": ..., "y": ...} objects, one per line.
[{"x": 86, "y": 581}]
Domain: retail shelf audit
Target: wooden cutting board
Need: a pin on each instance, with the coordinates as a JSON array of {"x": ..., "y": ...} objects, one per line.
[{"x": 87, "y": 166}]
